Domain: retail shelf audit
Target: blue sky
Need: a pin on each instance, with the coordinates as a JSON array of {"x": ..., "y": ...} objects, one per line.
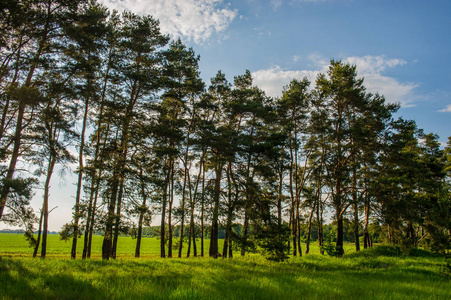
[{"x": 402, "y": 48}]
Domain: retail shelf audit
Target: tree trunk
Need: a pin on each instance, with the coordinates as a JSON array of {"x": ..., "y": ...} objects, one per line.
[
  {"x": 38, "y": 240},
  {"x": 356, "y": 227},
  {"x": 339, "y": 244},
  {"x": 79, "y": 181},
  {"x": 293, "y": 202},
  {"x": 309, "y": 230},
  {"x": 214, "y": 251},
  {"x": 95, "y": 180},
  {"x": 93, "y": 215},
  {"x": 118, "y": 217},
  {"x": 202, "y": 212},
  {"x": 14, "y": 157},
  {"x": 163, "y": 210},
  {"x": 141, "y": 215},
  {"x": 183, "y": 205},
  {"x": 280, "y": 194},
  {"x": 319, "y": 218},
  {"x": 228, "y": 236},
  {"x": 193, "y": 197},
  {"x": 171, "y": 201},
  {"x": 356, "y": 210},
  {"x": 45, "y": 206},
  {"x": 366, "y": 234},
  {"x": 107, "y": 247}
]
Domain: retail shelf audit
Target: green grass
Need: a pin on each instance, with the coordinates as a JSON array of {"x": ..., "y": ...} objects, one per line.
[
  {"x": 251, "y": 277},
  {"x": 12, "y": 244},
  {"x": 378, "y": 273}
]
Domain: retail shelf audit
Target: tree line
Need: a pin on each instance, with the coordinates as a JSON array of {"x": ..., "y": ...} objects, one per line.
[{"x": 107, "y": 92}]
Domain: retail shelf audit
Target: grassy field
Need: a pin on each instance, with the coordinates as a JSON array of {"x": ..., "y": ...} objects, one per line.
[
  {"x": 374, "y": 274},
  {"x": 12, "y": 244}
]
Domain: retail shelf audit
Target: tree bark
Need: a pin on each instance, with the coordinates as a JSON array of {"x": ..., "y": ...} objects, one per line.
[
  {"x": 202, "y": 212},
  {"x": 214, "y": 251},
  {"x": 52, "y": 161},
  {"x": 73, "y": 253},
  {"x": 141, "y": 215},
  {"x": 38, "y": 240},
  {"x": 171, "y": 201},
  {"x": 309, "y": 230}
]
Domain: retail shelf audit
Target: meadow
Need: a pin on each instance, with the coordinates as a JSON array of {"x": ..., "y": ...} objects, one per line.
[{"x": 378, "y": 273}]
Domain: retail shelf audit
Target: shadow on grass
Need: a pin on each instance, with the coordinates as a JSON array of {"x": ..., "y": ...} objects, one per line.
[
  {"x": 18, "y": 281},
  {"x": 307, "y": 277}
]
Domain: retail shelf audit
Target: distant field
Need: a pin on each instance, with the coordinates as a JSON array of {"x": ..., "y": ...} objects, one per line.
[
  {"x": 12, "y": 244},
  {"x": 378, "y": 273}
]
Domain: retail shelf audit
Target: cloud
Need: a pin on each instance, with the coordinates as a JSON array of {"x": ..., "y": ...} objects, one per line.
[
  {"x": 273, "y": 80},
  {"x": 372, "y": 67},
  {"x": 373, "y": 64},
  {"x": 191, "y": 19},
  {"x": 446, "y": 109}
]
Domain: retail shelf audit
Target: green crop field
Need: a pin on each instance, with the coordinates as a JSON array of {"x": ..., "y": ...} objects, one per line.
[{"x": 378, "y": 273}]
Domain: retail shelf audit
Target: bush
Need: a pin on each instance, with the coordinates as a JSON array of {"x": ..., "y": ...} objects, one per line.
[{"x": 274, "y": 242}]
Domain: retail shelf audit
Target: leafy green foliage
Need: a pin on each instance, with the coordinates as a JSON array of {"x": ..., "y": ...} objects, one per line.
[{"x": 274, "y": 242}]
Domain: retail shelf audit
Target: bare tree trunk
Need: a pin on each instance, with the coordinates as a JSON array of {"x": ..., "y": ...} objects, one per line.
[
  {"x": 366, "y": 235},
  {"x": 45, "y": 206},
  {"x": 293, "y": 202},
  {"x": 95, "y": 180},
  {"x": 309, "y": 230},
  {"x": 171, "y": 201},
  {"x": 188, "y": 251},
  {"x": 118, "y": 217},
  {"x": 93, "y": 215},
  {"x": 356, "y": 211},
  {"x": 141, "y": 214},
  {"x": 38, "y": 240},
  {"x": 319, "y": 218},
  {"x": 339, "y": 244},
  {"x": 107, "y": 246},
  {"x": 231, "y": 246},
  {"x": 356, "y": 227},
  {"x": 228, "y": 236},
  {"x": 202, "y": 213},
  {"x": 183, "y": 204},
  {"x": 214, "y": 251},
  {"x": 280, "y": 193},
  {"x": 79, "y": 181},
  {"x": 163, "y": 210}
]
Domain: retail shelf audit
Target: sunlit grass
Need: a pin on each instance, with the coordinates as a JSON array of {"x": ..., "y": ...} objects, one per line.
[
  {"x": 378, "y": 273},
  {"x": 13, "y": 244},
  {"x": 250, "y": 277}
]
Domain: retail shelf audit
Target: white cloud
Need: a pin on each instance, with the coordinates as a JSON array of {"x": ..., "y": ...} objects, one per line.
[
  {"x": 373, "y": 64},
  {"x": 192, "y": 19},
  {"x": 274, "y": 79},
  {"x": 371, "y": 68},
  {"x": 446, "y": 109}
]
